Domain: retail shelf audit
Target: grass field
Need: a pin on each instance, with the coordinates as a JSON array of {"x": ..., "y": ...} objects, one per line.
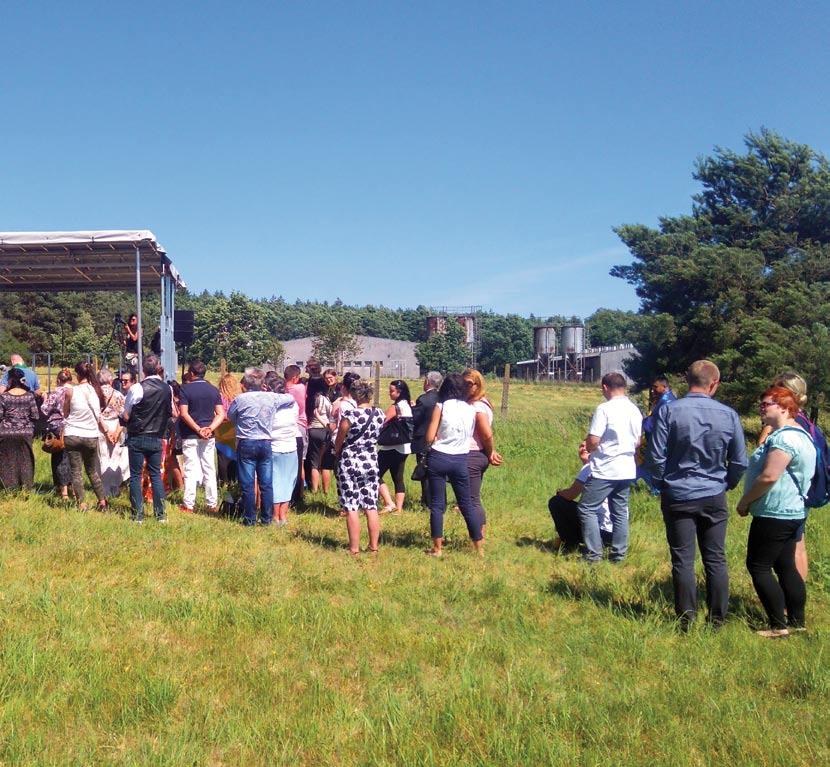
[{"x": 203, "y": 643}]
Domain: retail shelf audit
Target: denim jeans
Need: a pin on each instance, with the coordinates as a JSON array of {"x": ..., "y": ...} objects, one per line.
[
  {"x": 253, "y": 458},
  {"x": 143, "y": 448},
  {"x": 443, "y": 467},
  {"x": 595, "y": 492}
]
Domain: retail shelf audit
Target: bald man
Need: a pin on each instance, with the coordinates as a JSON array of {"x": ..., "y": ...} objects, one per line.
[{"x": 30, "y": 376}]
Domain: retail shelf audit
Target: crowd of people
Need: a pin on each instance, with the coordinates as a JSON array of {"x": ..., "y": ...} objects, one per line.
[
  {"x": 281, "y": 439},
  {"x": 694, "y": 453},
  {"x": 284, "y": 438}
]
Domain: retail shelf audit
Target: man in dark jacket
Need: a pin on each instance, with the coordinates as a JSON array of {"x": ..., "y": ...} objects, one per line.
[
  {"x": 147, "y": 412},
  {"x": 421, "y": 414}
]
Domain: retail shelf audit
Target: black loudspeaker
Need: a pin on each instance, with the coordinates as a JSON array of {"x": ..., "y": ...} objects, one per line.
[{"x": 183, "y": 326}]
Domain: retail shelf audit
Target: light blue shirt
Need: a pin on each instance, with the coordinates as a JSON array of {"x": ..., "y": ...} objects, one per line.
[
  {"x": 29, "y": 375},
  {"x": 783, "y": 500},
  {"x": 252, "y": 413}
]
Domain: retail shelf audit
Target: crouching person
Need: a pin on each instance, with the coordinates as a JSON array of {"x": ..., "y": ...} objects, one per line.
[{"x": 564, "y": 509}]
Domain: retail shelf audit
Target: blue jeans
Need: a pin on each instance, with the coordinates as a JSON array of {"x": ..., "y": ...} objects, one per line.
[
  {"x": 253, "y": 458},
  {"x": 443, "y": 467},
  {"x": 142, "y": 448},
  {"x": 595, "y": 492}
]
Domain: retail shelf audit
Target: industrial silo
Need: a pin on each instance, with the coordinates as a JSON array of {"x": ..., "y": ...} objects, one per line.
[{"x": 573, "y": 339}]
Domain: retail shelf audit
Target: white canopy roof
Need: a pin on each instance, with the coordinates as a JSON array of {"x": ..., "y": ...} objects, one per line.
[{"x": 102, "y": 260}]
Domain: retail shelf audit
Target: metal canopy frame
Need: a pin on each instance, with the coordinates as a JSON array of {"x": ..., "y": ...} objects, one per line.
[{"x": 109, "y": 260}]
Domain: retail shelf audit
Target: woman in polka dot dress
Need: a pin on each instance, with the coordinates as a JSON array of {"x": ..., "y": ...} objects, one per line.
[{"x": 357, "y": 471}]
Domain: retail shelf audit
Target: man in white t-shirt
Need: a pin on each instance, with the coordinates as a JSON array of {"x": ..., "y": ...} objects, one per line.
[{"x": 612, "y": 441}]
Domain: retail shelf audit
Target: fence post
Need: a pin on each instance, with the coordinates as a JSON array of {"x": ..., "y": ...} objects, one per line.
[
  {"x": 377, "y": 384},
  {"x": 505, "y": 389}
]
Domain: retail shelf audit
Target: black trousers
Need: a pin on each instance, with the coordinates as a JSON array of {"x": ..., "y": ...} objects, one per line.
[
  {"x": 566, "y": 521},
  {"x": 771, "y": 546},
  {"x": 395, "y": 463},
  {"x": 426, "y": 495},
  {"x": 702, "y": 520}
]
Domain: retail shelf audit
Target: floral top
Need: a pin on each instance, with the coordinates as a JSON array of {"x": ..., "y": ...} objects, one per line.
[
  {"x": 52, "y": 408},
  {"x": 114, "y": 401},
  {"x": 18, "y": 414}
]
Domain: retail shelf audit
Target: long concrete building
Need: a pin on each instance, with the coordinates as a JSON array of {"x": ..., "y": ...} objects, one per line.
[{"x": 397, "y": 358}]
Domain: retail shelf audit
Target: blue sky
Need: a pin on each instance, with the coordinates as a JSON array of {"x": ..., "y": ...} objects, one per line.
[{"x": 393, "y": 153}]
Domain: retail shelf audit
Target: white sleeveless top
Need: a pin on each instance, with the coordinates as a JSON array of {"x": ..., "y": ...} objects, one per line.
[{"x": 84, "y": 413}]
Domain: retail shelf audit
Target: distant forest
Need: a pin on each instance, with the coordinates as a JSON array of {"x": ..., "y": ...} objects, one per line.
[{"x": 245, "y": 331}]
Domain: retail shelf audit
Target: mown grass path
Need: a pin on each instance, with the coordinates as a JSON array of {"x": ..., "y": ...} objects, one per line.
[{"x": 203, "y": 643}]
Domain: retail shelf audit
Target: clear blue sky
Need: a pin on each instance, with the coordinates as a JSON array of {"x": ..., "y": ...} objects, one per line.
[{"x": 388, "y": 152}]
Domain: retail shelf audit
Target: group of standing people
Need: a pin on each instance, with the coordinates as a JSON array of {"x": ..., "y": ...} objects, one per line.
[{"x": 694, "y": 454}]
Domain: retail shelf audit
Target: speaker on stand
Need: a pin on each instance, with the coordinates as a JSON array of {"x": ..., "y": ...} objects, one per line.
[{"x": 183, "y": 330}]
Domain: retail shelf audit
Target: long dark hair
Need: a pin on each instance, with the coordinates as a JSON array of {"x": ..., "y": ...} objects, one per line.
[
  {"x": 17, "y": 379},
  {"x": 403, "y": 390},
  {"x": 314, "y": 387},
  {"x": 86, "y": 372},
  {"x": 453, "y": 388}
]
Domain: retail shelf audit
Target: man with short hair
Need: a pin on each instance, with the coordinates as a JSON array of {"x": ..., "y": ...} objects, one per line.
[
  {"x": 200, "y": 414},
  {"x": 421, "y": 414},
  {"x": 252, "y": 413},
  {"x": 32, "y": 381},
  {"x": 659, "y": 396},
  {"x": 612, "y": 441},
  {"x": 696, "y": 454},
  {"x": 148, "y": 408}
]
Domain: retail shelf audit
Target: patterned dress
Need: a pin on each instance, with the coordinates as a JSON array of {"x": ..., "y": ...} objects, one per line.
[
  {"x": 114, "y": 459},
  {"x": 357, "y": 472},
  {"x": 18, "y": 415}
]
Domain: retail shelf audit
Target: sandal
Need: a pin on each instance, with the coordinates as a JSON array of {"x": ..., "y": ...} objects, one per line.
[
  {"x": 371, "y": 551},
  {"x": 387, "y": 510},
  {"x": 433, "y": 553}
]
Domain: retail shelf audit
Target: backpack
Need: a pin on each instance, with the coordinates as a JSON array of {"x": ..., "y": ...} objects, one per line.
[{"x": 818, "y": 494}]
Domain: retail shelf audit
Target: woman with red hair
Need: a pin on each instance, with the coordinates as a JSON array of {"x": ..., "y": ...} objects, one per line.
[{"x": 777, "y": 481}]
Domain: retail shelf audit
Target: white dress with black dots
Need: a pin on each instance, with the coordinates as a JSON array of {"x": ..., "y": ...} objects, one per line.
[{"x": 357, "y": 471}]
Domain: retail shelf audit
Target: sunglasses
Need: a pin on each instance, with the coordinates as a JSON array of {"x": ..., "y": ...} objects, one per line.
[{"x": 764, "y": 405}]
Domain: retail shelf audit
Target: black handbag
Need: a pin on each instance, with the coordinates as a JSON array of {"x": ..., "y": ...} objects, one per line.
[
  {"x": 419, "y": 473},
  {"x": 397, "y": 431}
]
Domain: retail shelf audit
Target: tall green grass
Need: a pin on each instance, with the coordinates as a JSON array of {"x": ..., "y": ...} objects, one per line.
[{"x": 203, "y": 643}]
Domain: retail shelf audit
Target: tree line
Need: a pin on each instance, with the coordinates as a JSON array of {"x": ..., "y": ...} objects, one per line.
[{"x": 247, "y": 331}]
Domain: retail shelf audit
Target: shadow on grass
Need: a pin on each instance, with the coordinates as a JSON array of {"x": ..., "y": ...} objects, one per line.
[
  {"x": 657, "y": 600},
  {"x": 654, "y": 600},
  {"x": 403, "y": 539},
  {"x": 543, "y": 545}
]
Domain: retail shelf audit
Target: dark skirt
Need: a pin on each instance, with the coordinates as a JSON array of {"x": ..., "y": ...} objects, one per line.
[{"x": 17, "y": 462}]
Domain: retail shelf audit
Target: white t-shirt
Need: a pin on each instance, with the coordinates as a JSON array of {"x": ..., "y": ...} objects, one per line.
[
  {"x": 284, "y": 429},
  {"x": 619, "y": 424},
  {"x": 481, "y": 406},
  {"x": 605, "y": 512},
  {"x": 456, "y": 427}
]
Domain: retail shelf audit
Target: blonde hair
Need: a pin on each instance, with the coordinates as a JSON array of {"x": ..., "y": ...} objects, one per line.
[
  {"x": 478, "y": 383},
  {"x": 795, "y": 383},
  {"x": 229, "y": 387}
]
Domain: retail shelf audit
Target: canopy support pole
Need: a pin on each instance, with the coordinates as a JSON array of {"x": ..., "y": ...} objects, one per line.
[
  {"x": 169, "y": 358},
  {"x": 138, "y": 312}
]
